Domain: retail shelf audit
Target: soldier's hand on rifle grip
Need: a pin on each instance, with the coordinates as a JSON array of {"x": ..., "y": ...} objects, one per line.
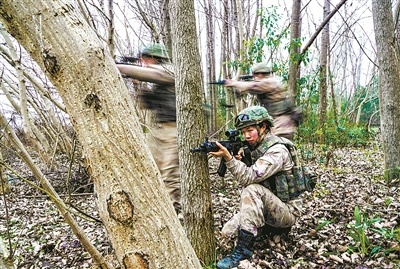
[
  {"x": 239, "y": 155},
  {"x": 222, "y": 152}
]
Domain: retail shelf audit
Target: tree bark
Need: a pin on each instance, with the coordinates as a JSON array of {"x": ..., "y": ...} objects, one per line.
[
  {"x": 210, "y": 60},
  {"x": 226, "y": 46},
  {"x": 196, "y": 184},
  {"x": 240, "y": 101},
  {"x": 111, "y": 28},
  {"x": 140, "y": 219},
  {"x": 323, "y": 82},
  {"x": 389, "y": 81},
  {"x": 4, "y": 184},
  {"x": 295, "y": 37},
  {"x": 5, "y": 259}
]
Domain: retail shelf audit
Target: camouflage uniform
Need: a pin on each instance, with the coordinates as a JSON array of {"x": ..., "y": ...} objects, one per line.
[
  {"x": 164, "y": 148},
  {"x": 161, "y": 100},
  {"x": 273, "y": 96},
  {"x": 258, "y": 204},
  {"x": 265, "y": 196},
  {"x": 280, "y": 107}
]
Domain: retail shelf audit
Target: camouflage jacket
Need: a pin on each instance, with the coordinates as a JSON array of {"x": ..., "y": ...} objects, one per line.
[
  {"x": 267, "y": 161},
  {"x": 270, "y": 93},
  {"x": 161, "y": 98}
]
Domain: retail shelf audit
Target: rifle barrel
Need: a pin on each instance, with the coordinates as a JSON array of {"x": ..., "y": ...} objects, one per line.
[{"x": 219, "y": 82}]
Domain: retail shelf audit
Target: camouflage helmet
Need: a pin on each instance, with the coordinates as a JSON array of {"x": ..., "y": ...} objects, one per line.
[
  {"x": 253, "y": 115},
  {"x": 261, "y": 68},
  {"x": 156, "y": 50}
]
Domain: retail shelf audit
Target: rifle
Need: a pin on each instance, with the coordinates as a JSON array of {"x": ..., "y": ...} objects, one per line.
[
  {"x": 218, "y": 82},
  {"x": 233, "y": 144},
  {"x": 247, "y": 77},
  {"x": 129, "y": 60}
]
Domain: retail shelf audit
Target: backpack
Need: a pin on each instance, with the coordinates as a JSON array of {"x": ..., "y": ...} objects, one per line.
[
  {"x": 304, "y": 178},
  {"x": 287, "y": 186}
]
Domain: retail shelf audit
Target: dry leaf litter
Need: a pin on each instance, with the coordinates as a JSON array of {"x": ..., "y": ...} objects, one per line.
[{"x": 320, "y": 239}]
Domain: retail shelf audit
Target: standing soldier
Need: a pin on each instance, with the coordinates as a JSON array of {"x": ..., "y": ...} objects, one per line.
[
  {"x": 161, "y": 100},
  {"x": 272, "y": 95},
  {"x": 265, "y": 198}
]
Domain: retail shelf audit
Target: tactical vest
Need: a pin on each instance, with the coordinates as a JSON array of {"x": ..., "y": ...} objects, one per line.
[
  {"x": 276, "y": 108},
  {"x": 285, "y": 185},
  {"x": 161, "y": 100}
]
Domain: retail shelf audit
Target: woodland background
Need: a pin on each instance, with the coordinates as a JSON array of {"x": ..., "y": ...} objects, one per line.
[{"x": 60, "y": 97}]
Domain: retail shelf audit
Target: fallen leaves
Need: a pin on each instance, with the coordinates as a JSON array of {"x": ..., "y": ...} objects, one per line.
[{"x": 319, "y": 239}]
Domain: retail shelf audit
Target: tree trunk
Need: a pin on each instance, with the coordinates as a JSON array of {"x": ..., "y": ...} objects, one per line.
[
  {"x": 295, "y": 37},
  {"x": 225, "y": 49},
  {"x": 389, "y": 81},
  {"x": 111, "y": 28},
  {"x": 196, "y": 184},
  {"x": 166, "y": 25},
  {"x": 323, "y": 86},
  {"x": 140, "y": 219},
  {"x": 240, "y": 100},
  {"x": 5, "y": 259},
  {"x": 4, "y": 184},
  {"x": 333, "y": 97},
  {"x": 210, "y": 60},
  {"x": 321, "y": 27}
]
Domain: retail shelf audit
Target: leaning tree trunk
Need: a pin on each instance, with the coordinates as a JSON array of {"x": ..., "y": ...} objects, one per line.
[
  {"x": 196, "y": 184},
  {"x": 140, "y": 219},
  {"x": 389, "y": 81}
]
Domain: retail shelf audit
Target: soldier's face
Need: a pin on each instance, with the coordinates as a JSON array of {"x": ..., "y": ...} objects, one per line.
[
  {"x": 148, "y": 60},
  {"x": 250, "y": 133},
  {"x": 258, "y": 76}
]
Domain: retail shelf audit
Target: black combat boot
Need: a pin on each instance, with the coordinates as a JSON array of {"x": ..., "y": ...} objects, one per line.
[{"x": 242, "y": 251}]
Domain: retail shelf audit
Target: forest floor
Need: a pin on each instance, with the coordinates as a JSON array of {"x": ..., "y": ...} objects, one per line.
[{"x": 330, "y": 234}]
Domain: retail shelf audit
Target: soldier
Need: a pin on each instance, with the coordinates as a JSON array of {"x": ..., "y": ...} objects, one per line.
[
  {"x": 264, "y": 199},
  {"x": 272, "y": 95},
  {"x": 161, "y": 100}
]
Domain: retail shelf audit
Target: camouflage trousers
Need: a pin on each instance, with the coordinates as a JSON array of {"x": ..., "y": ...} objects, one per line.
[
  {"x": 258, "y": 207},
  {"x": 164, "y": 148}
]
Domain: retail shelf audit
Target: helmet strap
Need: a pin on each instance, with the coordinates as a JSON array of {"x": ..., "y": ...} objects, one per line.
[{"x": 261, "y": 135}]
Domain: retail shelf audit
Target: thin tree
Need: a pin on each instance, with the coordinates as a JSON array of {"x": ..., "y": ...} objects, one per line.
[
  {"x": 210, "y": 60},
  {"x": 294, "y": 48},
  {"x": 32, "y": 132},
  {"x": 49, "y": 190},
  {"x": 323, "y": 82}
]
